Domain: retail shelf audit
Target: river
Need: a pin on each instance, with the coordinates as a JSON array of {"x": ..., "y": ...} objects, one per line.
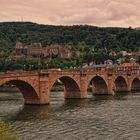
[{"x": 96, "y": 118}]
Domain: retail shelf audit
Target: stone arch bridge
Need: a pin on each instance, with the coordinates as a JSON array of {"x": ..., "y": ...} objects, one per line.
[{"x": 36, "y": 85}]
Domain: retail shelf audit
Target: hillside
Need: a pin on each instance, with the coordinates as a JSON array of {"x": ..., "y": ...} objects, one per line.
[
  {"x": 94, "y": 43},
  {"x": 98, "y": 38}
]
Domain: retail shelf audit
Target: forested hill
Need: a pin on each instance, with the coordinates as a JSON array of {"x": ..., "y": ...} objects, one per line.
[{"x": 115, "y": 39}]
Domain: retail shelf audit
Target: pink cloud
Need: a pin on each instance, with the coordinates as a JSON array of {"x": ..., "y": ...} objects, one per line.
[{"x": 97, "y": 12}]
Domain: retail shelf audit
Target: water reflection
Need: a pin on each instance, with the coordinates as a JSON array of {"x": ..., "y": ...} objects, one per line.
[
  {"x": 29, "y": 112},
  {"x": 97, "y": 117}
]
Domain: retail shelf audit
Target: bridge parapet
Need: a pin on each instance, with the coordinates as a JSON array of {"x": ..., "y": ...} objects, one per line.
[
  {"x": 18, "y": 74},
  {"x": 48, "y": 73}
]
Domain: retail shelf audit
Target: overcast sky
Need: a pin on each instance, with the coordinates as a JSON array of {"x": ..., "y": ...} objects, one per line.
[{"x": 122, "y": 13}]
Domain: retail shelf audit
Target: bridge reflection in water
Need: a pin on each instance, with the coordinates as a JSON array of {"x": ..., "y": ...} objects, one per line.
[
  {"x": 36, "y": 86},
  {"x": 98, "y": 117}
]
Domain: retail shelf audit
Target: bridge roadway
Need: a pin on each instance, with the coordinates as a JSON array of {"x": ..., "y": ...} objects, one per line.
[{"x": 36, "y": 85}]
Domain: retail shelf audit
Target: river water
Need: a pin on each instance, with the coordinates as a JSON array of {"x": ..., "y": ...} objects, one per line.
[{"x": 96, "y": 118}]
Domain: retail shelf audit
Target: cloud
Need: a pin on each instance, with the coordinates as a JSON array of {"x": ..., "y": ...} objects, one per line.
[{"x": 96, "y": 12}]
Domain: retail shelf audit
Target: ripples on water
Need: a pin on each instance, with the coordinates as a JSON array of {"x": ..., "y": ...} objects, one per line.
[{"x": 96, "y": 118}]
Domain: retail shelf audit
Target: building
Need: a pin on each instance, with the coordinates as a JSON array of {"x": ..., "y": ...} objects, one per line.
[
  {"x": 36, "y": 49},
  {"x": 20, "y": 49},
  {"x": 57, "y": 50}
]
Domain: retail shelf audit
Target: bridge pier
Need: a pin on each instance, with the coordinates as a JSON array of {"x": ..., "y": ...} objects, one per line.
[
  {"x": 83, "y": 86},
  {"x": 43, "y": 95},
  {"x": 109, "y": 88},
  {"x": 44, "y": 91},
  {"x": 32, "y": 101}
]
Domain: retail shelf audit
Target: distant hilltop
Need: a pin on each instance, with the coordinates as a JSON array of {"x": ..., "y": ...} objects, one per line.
[
  {"x": 97, "y": 37},
  {"x": 65, "y": 46},
  {"x": 95, "y": 43}
]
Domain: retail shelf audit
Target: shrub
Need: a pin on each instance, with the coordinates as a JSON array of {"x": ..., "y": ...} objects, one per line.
[{"x": 6, "y": 132}]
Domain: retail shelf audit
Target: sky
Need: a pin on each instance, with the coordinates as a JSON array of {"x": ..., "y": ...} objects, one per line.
[{"x": 106, "y": 13}]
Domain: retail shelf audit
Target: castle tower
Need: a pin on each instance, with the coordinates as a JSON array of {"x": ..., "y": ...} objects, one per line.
[
  {"x": 19, "y": 48},
  {"x": 19, "y": 45}
]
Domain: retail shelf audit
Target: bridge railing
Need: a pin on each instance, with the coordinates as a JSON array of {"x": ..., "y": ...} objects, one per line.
[
  {"x": 131, "y": 70},
  {"x": 17, "y": 73}
]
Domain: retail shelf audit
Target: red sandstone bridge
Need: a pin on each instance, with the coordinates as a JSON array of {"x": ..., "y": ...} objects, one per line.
[{"x": 36, "y": 85}]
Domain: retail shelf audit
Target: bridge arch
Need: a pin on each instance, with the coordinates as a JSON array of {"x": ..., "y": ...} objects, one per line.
[
  {"x": 99, "y": 85},
  {"x": 29, "y": 93},
  {"x": 135, "y": 85},
  {"x": 71, "y": 86},
  {"x": 120, "y": 84}
]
